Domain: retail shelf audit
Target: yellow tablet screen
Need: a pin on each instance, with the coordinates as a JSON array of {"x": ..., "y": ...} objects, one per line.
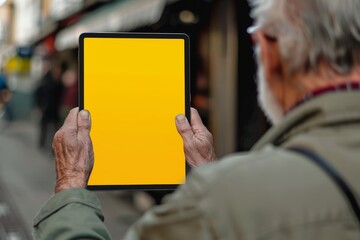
[{"x": 134, "y": 88}]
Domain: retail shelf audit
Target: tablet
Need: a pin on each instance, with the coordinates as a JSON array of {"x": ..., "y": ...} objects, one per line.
[{"x": 134, "y": 84}]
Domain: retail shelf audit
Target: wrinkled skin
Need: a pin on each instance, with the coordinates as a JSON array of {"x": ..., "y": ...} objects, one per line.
[
  {"x": 198, "y": 141},
  {"x": 73, "y": 151}
]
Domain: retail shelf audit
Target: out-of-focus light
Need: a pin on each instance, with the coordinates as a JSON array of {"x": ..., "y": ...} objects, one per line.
[
  {"x": 188, "y": 17},
  {"x": 2, "y": 2}
]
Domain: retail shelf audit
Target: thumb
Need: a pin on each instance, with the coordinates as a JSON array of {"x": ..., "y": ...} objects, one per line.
[
  {"x": 84, "y": 122},
  {"x": 184, "y": 128},
  {"x": 196, "y": 122}
]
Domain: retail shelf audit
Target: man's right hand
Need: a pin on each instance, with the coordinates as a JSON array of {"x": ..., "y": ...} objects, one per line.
[{"x": 198, "y": 141}]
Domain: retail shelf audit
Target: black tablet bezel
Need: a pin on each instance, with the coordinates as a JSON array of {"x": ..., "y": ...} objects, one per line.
[{"x": 187, "y": 92}]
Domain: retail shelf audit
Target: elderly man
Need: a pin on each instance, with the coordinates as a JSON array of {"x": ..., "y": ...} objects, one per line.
[{"x": 309, "y": 57}]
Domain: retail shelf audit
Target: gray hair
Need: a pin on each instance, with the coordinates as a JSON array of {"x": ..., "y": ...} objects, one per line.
[{"x": 310, "y": 31}]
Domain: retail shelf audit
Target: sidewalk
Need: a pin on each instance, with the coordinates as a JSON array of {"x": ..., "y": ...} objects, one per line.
[
  {"x": 29, "y": 176},
  {"x": 11, "y": 225}
]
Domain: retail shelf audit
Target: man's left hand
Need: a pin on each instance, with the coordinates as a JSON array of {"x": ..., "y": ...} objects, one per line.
[{"x": 73, "y": 151}]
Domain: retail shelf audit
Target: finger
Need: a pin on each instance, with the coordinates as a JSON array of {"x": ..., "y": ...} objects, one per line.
[
  {"x": 184, "y": 128},
  {"x": 196, "y": 121},
  {"x": 84, "y": 122},
  {"x": 71, "y": 120}
]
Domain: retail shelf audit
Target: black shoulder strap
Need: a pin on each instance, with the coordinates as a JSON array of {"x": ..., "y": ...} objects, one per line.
[{"x": 334, "y": 175}]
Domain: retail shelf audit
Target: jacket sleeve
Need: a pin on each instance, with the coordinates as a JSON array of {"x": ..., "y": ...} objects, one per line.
[
  {"x": 71, "y": 214},
  {"x": 76, "y": 214}
]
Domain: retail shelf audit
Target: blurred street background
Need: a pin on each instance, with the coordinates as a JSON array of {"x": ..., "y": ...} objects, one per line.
[{"x": 38, "y": 86}]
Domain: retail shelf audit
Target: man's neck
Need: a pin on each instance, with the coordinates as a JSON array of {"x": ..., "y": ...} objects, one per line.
[{"x": 310, "y": 84}]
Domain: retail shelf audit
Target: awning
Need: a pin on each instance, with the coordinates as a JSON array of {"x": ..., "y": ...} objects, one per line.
[{"x": 122, "y": 15}]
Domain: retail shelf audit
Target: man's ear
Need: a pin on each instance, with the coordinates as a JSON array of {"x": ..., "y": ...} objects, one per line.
[{"x": 270, "y": 56}]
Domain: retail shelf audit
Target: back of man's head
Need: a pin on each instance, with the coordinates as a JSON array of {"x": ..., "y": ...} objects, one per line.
[{"x": 313, "y": 31}]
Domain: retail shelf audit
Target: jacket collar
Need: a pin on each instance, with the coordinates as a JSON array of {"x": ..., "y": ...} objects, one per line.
[{"x": 334, "y": 108}]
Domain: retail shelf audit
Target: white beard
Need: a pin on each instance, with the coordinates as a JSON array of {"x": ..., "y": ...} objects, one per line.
[{"x": 266, "y": 98}]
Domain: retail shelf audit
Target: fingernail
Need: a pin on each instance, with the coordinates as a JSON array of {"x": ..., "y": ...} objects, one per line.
[
  {"x": 180, "y": 118},
  {"x": 84, "y": 114}
]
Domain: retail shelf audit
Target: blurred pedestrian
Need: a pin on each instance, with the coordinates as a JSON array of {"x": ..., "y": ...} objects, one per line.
[
  {"x": 5, "y": 97},
  {"x": 300, "y": 181},
  {"x": 48, "y": 96}
]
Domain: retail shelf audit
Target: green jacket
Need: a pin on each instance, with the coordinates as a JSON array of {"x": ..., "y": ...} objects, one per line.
[{"x": 269, "y": 193}]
